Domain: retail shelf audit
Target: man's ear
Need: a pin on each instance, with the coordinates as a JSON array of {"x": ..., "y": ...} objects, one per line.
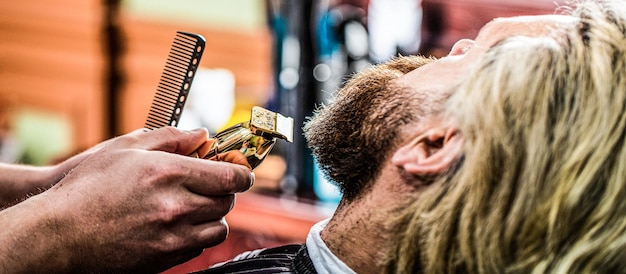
[{"x": 430, "y": 153}]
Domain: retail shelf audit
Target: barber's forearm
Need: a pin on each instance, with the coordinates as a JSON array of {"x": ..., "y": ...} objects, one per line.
[
  {"x": 32, "y": 239},
  {"x": 19, "y": 181}
]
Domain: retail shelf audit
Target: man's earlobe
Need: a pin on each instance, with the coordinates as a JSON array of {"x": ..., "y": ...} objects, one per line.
[{"x": 431, "y": 153}]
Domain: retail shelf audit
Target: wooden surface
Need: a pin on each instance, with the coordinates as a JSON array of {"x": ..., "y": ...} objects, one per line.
[{"x": 51, "y": 59}]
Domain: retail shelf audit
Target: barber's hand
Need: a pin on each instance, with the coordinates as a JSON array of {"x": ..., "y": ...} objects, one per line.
[{"x": 137, "y": 202}]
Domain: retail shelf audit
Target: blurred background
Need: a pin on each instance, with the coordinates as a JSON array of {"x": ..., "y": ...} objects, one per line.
[{"x": 76, "y": 72}]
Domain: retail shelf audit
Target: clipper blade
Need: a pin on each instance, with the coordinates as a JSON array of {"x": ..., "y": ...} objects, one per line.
[{"x": 272, "y": 123}]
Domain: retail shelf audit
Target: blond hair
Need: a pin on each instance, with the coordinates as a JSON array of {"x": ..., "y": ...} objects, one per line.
[{"x": 542, "y": 184}]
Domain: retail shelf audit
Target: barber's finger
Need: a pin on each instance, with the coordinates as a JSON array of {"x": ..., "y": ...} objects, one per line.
[
  {"x": 233, "y": 156},
  {"x": 212, "y": 233},
  {"x": 211, "y": 178},
  {"x": 211, "y": 208},
  {"x": 168, "y": 139}
]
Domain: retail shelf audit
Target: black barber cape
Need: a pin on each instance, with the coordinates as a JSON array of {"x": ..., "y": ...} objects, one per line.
[{"x": 283, "y": 259}]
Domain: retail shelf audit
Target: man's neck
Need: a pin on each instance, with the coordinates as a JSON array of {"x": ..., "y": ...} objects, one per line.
[
  {"x": 355, "y": 238},
  {"x": 358, "y": 232}
]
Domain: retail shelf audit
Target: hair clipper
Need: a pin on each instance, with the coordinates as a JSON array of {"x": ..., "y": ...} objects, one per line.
[{"x": 254, "y": 138}]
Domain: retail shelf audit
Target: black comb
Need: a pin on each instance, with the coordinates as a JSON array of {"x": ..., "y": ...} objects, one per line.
[{"x": 180, "y": 69}]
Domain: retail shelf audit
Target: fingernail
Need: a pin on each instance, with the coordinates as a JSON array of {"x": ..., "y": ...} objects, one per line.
[
  {"x": 251, "y": 179},
  {"x": 198, "y": 129}
]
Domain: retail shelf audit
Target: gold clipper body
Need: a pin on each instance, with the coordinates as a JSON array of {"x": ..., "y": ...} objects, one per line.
[{"x": 254, "y": 138}]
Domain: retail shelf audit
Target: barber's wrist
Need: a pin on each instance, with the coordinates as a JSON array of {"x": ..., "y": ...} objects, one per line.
[
  {"x": 56, "y": 173},
  {"x": 44, "y": 177},
  {"x": 25, "y": 181},
  {"x": 34, "y": 236}
]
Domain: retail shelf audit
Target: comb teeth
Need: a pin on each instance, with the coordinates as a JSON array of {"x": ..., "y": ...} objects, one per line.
[{"x": 180, "y": 69}]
